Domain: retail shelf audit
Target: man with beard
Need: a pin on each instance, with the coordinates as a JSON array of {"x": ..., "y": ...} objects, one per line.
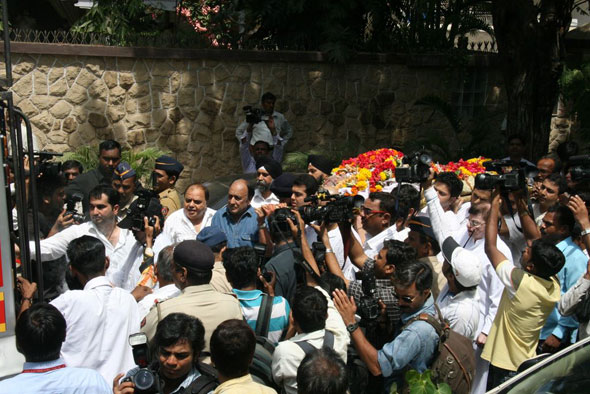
[
  {"x": 266, "y": 171},
  {"x": 109, "y": 156}
]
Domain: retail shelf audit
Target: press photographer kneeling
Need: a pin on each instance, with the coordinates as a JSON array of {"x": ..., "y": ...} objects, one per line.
[{"x": 174, "y": 367}]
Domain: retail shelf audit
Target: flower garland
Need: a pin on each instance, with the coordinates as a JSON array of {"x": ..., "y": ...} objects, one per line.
[{"x": 375, "y": 170}]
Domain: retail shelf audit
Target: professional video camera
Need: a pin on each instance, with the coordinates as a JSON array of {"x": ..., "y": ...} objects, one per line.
[
  {"x": 146, "y": 204},
  {"x": 44, "y": 164},
  {"x": 580, "y": 168},
  {"x": 318, "y": 249},
  {"x": 368, "y": 307},
  {"x": 339, "y": 209},
  {"x": 71, "y": 207},
  {"x": 145, "y": 379},
  {"x": 253, "y": 115},
  {"x": 417, "y": 169},
  {"x": 510, "y": 176}
]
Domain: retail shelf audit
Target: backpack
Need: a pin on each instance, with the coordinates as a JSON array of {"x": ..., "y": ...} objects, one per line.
[
  {"x": 261, "y": 367},
  {"x": 454, "y": 360},
  {"x": 307, "y": 348},
  {"x": 205, "y": 383}
]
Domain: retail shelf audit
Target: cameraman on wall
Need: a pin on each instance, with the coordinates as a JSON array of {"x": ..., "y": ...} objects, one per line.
[{"x": 265, "y": 126}]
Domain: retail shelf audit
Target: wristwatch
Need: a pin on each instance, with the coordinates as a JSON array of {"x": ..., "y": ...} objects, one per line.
[
  {"x": 352, "y": 327},
  {"x": 585, "y": 232}
]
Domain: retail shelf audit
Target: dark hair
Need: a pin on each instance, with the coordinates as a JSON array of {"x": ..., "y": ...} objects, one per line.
[
  {"x": 452, "y": 181},
  {"x": 407, "y": 197},
  {"x": 232, "y": 347},
  {"x": 333, "y": 281},
  {"x": 322, "y": 372},
  {"x": 69, "y": 164},
  {"x": 410, "y": 272},
  {"x": 278, "y": 227},
  {"x": 268, "y": 96},
  {"x": 563, "y": 216},
  {"x": 310, "y": 309},
  {"x": 433, "y": 242},
  {"x": 109, "y": 145},
  {"x": 398, "y": 252},
  {"x": 195, "y": 277},
  {"x": 40, "y": 332},
  {"x": 49, "y": 184},
  {"x": 519, "y": 137},
  {"x": 547, "y": 258},
  {"x": 308, "y": 181},
  {"x": 559, "y": 180},
  {"x": 165, "y": 263},
  {"x": 177, "y": 327},
  {"x": 386, "y": 203},
  {"x": 200, "y": 186},
  {"x": 87, "y": 255},
  {"x": 112, "y": 195},
  {"x": 241, "y": 267}
]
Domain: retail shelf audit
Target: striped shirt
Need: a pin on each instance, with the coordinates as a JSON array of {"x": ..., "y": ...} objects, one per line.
[{"x": 250, "y": 301}]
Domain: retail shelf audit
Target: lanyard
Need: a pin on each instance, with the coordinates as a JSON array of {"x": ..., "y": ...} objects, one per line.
[{"x": 43, "y": 370}]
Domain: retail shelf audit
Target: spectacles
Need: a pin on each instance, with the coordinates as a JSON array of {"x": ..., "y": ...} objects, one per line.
[
  {"x": 475, "y": 223},
  {"x": 406, "y": 299},
  {"x": 370, "y": 212}
]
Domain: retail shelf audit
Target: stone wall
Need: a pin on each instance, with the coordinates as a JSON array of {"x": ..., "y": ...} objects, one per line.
[{"x": 192, "y": 107}]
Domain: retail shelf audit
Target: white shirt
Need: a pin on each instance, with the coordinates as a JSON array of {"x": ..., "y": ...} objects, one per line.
[
  {"x": 125, "y": 257},
  {"x": 336, "y": 244},
  {"x": 570, "y": 300},
  {"x": 160, "y": 294},
  {"x": 178, "y": 227},
  {"x": 99, "y": 320},
  {"x": 515, "y": 240},
  {"x": 258, "y": 200},
  {"x": 461, "y": 310},
  {"x": 374, "y": 245},
  {"x": 288, "y": 355}
]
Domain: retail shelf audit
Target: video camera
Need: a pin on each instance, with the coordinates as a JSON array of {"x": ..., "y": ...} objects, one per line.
[
  {"x": 580, "y": 168},
  {"x": 145, "y": 379},
  {"x": 418, "y": 169},
  {"x": 146, "y": 204},
  {"x": 510, "y": 176},
  {"x": 261, "y": 260},
  {"x": 368, "y": 307},
  {"x": 339, "y": 209},
  {"x": 253, "y": 115},
  {"x": 71, "y": 207}
]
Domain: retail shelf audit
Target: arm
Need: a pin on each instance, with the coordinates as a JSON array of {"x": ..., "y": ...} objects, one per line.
[
  {"x": 331, "y": 260},
  {"x": 27, "y": 291},
  {"x": 356, "y": 253},
  {"x": 347, "y": 308},
  {"x": 56, "y": 246},
  {"x": 491, "y": 236},
  {"x": 570, "y": 300},
  {"x": 529, "y": 228},
  {"x": 305, "y": 249},
  {"x": 578, "y": 207}
]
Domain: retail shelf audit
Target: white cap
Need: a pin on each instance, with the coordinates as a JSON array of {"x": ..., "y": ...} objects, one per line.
[
  {"x": 261, "y": 132},
  {"x": 465, "y": 264}
]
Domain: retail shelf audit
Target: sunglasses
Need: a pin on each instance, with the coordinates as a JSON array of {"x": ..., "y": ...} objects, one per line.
[
  {"x": 370, "y": 212},
  {"x": 406, "y": 299}
]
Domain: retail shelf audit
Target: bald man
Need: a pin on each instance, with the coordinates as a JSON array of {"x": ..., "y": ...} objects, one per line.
[{"x": 237, "y": 219}]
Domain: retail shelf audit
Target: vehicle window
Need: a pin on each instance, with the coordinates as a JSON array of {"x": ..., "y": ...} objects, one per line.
[{"x": 568, "y": 374}]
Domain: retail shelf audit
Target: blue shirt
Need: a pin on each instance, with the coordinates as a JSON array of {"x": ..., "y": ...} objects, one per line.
[
  {"x": 574, "y": 267},
  {"x": 61, "y": 380},
  {"x": 244, "y": 232},
  {"x": 250, "y": 301},
  {"x": 414, "y": 347}
]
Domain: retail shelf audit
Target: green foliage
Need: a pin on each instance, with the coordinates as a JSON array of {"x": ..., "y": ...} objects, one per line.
[
  {"x": 141, "y": 161},
  {"x": 297, "y": 161},
  {"x": 121, "y": 20},
  {"x": 575, "y": 89},
  {"x": 421, "y": 383}
]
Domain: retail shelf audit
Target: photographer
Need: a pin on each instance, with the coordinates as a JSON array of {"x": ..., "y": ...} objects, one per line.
[
  {"x": 263, "y": 126},
  {"x": 72, "y": 169},
  {"x": 176, "y": 347}
]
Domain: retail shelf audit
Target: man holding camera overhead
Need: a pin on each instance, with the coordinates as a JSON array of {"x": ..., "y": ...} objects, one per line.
[{"x": 265, "y": 127}]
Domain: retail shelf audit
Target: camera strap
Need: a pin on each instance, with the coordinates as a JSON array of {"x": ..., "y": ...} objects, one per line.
[{"x": 264, "y": 315}]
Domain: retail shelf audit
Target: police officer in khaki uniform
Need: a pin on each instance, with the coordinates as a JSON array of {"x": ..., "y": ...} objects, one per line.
[
  {"x": 164, "y": 177},
  {"x": 192, "y": 269}
]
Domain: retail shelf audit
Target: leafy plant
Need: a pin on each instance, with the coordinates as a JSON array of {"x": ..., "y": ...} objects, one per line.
[
  {"x": 421, "y": 383},
  {"x": 297, "y": 161},
  {"x": 141, "y": 161},
  {"x": 575, "y": 89}
]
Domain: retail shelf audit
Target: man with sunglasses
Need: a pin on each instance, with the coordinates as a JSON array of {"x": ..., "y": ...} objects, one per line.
[{"x": 412, "y": 348}]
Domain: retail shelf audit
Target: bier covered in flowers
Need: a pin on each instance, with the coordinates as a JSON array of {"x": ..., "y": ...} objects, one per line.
[{"x": 375, "y": 171}]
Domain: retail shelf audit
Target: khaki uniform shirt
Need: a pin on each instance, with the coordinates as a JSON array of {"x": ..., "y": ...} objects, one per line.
[
  {"x": 170, "y": 200},
  {"x": 210, "y": 306}
]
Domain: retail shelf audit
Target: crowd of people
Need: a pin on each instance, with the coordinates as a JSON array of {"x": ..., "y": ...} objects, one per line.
[{"x": 150, "y": 290}]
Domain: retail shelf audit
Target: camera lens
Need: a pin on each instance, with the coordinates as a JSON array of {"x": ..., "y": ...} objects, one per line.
[{"x": 144, "y": 379}]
